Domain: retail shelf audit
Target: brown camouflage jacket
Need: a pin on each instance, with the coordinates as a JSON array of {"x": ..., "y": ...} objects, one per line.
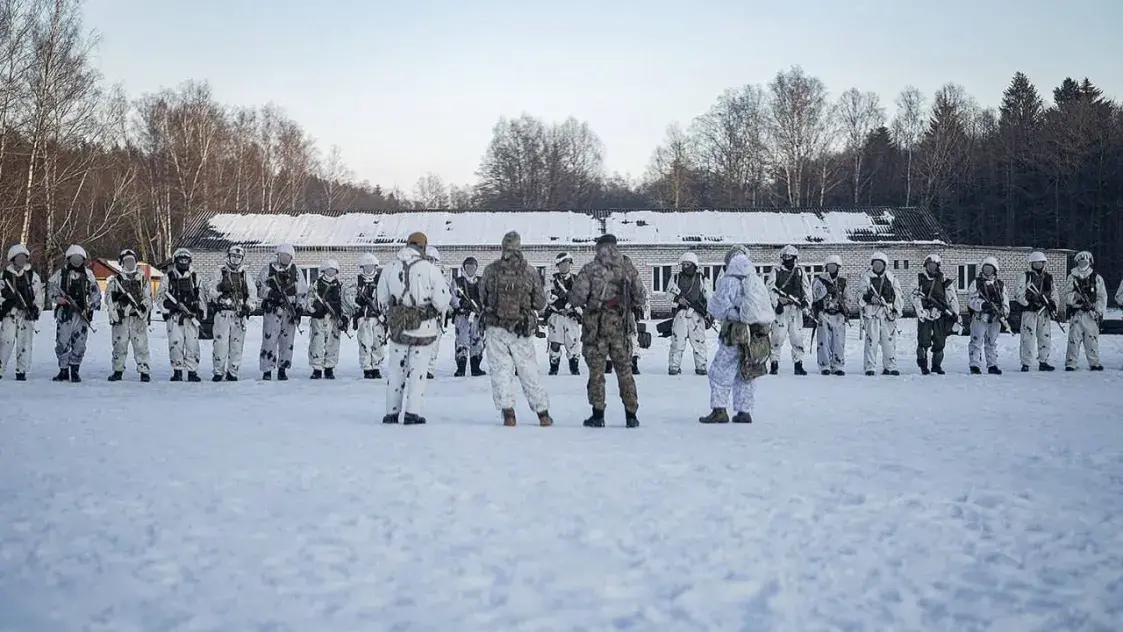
[{"x": 600, "y": 283}]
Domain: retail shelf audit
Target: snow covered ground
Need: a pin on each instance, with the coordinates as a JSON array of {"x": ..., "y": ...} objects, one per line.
[{"x": 914, "y": 503}]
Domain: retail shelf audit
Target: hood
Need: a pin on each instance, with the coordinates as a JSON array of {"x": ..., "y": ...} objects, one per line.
[
  {"x": 512, "y": 244},
  {"x": 739, "y": 265},
  {"x": 1082, "y": 274},
  {"x": 407, "y": 254},
  {"x": 608, "y": 254}
]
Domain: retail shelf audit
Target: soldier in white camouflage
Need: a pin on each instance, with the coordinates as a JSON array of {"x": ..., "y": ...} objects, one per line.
[{"x": 610, "y": 292}]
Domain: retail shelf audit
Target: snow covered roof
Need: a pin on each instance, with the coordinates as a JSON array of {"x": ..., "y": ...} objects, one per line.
[{"x": 215, "y": 231}]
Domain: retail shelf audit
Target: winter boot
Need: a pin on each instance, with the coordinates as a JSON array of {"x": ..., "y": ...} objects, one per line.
[
  {"x": 1025, "y": 368},
  {"x": 825, "y": 372},
  {"x": 461, "y": 367},
  {"x": 193, "y": 377},
  {"x": 923, "y": 364},
  {"x": 1070, "y": 368},
  {"x": 475, "y": 366},
  {"x": 116, "y": 376},
  {"x": 21, "y": 377},
  {"x": 716, "y": 416},
  {"x": 554, "y": 364},
  {"x": 413, "y": 420},
  {"x": 376, "y": 374},
  {"x": 216, "y": 378},
  {"x": 742, "y": 418},
  {"x": 390, "y": 419},
  {"x": 177, "y": 376},
  {"x": 144, "y": 377},
  {"x": 329, "y": 373},
  {"x": 630, "y": 420},
  {"x": 799, "y": 369},
  {"x": 1045, "y": 366},
  {"x": 596, "y": 421},
  {"x": 895, "y": 373},
  {"x": 268, "y": 375},
  {"x": 871, "y": 373},
  {"x": 366, "y": 374},
  {"x": 282, "y": 374},
  {"x": 673, "y": 371},
  {"x": 993, "y": 370},
  {"x": 430, "y": 376},
  {"x": 230, "y": 377},
  {"x": 1098, "y": 367},
  {"x": 773, "y": 367},
  {"x": 317, "y": 374},
  {"x": 937, "y": 369},
  {"x": 840, "y": 372},
  {"x": 607, "y": 367},
  {"x": 508, "y": 417},
  {"x": 976, "y": 370},
  {"x": 701, "y": 371},
  {"x": 63, "y": 375},
  {"x": 74, "y": 377},
  {"x": 635, "y": 365},
  {"x": 544, "y": 419},
  {"x": 574, "y": 366}
]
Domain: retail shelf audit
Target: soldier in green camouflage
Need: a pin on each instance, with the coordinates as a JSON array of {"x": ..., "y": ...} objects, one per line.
[{"x": 609, "y": 290}]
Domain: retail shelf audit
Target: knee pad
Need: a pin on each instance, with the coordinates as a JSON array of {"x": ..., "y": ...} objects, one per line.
[{"x": 555, "y": 346}]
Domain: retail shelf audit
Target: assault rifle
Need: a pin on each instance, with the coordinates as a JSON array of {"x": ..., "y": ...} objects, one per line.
[
  {"x": 699, "y": 307},
  {"x": 132, "y": 300},
  {"x": 997, "y": 311},
  {"x": 339, "y": 320},
  {"x": 81, "y": 313},
  {"x": 290, "y": 305},
  {"x": 367, "y": 309},
  {"x": 182, "y": 309},
  {"x": 1049, "y": 306},
  {"x": 1088, "y": 304},
  {"x": 473, "y": 305},
  {"x": 23, "y": 301}
]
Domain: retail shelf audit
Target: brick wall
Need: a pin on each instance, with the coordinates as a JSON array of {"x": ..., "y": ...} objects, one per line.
[{"x": 855, "y": 260}]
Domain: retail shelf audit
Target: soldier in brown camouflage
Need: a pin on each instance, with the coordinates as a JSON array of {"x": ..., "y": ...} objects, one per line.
[{"x": 609, "y": 289}]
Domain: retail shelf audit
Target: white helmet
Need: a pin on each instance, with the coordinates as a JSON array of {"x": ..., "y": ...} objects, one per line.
[
  {"x": 788, "y": 251},
  {"x": 286, "y": 249},
  {"x": 688, "y": 257},
  {"x": 18, "y": 249},
  {"x": 1084, "y": 255},
  {"x": 1037, "y": 257},
  {"x": 330, "y": 264},
  {"x": 563, "y": 256},
  {"x": 880, "y": 256},
  {"x": 181, "y": 252},
  {"x": 236, "y": 250},
  {"x": 835, "y": 259},
  {"x": 76, "y": 250},
  {"x": 991, "y": 261},
  {"x": 368, "y": 259},
  {"x": 934, "y": 258},
  {"x": 432, "y": 253}
]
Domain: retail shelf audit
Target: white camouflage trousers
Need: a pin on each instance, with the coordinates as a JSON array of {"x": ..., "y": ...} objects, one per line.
[
  {"x": 229, "y": 333},
  {"x": 16, "y": 331},
  {"x": 1037, "y": 328},
  {"x": 725, "y": 381},
  {"x": 323, "y": 343},
  {"x": 131, "y": 330},
  {"x": 436, "y": 347},
  {"x": 70, "y": 340},
  {"x": 831, "y": 346},
  {"x": 788, "y": 326},
  {"x": 880, "y": 331},
  {"x": 507, "y": 353},
  {"x": 183, "y": 344},
  {"x": 278, "y": 331},
  {"x": 564, "y": 332},
  {"x": 406, "y": 367},
  {"x": 1083, "y": 329},
  {"x": 371, "y": 335},
  {"x": 687, "y": 325},
  {"x": 984, "y": 339},
  {"x": 469, "y": 338}
]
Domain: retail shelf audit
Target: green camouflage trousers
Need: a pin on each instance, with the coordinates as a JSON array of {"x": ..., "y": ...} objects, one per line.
[{"x": 619, "y": 350}]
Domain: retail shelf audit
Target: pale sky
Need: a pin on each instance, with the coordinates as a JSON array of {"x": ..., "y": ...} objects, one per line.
[{"x": 409, "y": 87}]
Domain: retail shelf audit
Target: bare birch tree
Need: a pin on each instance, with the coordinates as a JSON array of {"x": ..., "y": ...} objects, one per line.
[
  {"x": 430, "y": 192},
  {"x": 908, "y": 130},
  {"x": 799, "y": 119},
  {"x": 732, "y": 145},
  {"x": 335, "y": 176},
  {"x": 672, "y": 171},
  {"x": 859, "y": 115}
]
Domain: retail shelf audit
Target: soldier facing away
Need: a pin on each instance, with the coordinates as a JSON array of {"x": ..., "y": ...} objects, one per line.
[
  {"x": 1086, "y": 298},
  {"x": 184, "y": 302},
  {"x": 563, "y": 319},
  {"x": 831, "y": 313},
  {"x": 21, "y": 301},
  {"x": 128, "y": 299},
  {"x": 610, "y": 292},
  {"x": 73, "y": 290},
  {"x": 511, "y": 294},
  {"x": 234, "y": 297},
  {"x": 1037, "y": 294}
]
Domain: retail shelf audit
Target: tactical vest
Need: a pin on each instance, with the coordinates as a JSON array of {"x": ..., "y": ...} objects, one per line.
[
  {"x": 131, "y": 285},
  {"x": 22, "y": 285},
  {"x": 471, "y": 290},
  {"x": 1085, "y": 289},
  {"x": 284, "y": 279},
  {"x": 184, "y": 289},
  {"x": 991, "y": 292},
  {"x": 690, "y": 287},
  {"x": 233, "y": 285},
  {"x": 562, "y": 284},
  {"x": 1043, "y": 282},
  {"x": 933, "y": 291},
  {"x": 330, "y": 292},
  {"x": 790, "y": 282},
  {"x": 882, "y": 287},
  {"x": 77, "y": 286},
  {"x": 367, "y": 287},
  {"x": 836, "y": 290}
]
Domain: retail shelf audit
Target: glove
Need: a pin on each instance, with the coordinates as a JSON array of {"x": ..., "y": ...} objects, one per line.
[
  {"x": 118, "y": 296},
  {"x": 169, "y": 305},
  {"x": 343, "y": 325},
  {"x": 361, "y": 300},
  {"x": 988, "y": 308},
  {"x": 6, "y": 292},
  {"x": 779, "y": 308},
  {"x": 868, "y": 296}
]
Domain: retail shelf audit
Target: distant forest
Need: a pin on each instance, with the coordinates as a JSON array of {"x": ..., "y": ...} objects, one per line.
[{"x": 83, "y": 162}]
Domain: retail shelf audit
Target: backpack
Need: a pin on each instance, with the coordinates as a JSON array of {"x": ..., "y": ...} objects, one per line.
[
  {"x": 511, "y": 296},
  {"x": 401, "y": 318}
]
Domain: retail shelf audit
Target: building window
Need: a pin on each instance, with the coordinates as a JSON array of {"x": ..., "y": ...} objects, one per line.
[
  {"x": 541, "y": 273},
  {"x": 660, "y": 278},
  {"x": 764, "y": 271},
  {"x": 310, "y": 274},
  {"x": 900, "y": 264},
  {"x": 966, "y": 276},
  {"x": 812, "y": 269},
  {"x": 711, "y": 273}
]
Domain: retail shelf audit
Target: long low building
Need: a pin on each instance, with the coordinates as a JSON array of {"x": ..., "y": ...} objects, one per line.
[{"x": 653, "y": 239}]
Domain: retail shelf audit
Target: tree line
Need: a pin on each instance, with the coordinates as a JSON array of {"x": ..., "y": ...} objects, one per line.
[{"x": 83, "y": 162}]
